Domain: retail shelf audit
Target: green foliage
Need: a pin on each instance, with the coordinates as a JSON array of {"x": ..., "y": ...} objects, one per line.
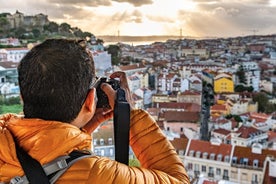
[
  {"x": 236, "y": 117},
  {"x": 52, "y": 27},
  {"x": 18, "y": 108},
  {"x": 242, "y": 88},
  {"x": 36, "y": 32},
  {"x": 241, "y": 75},
  {"x": 115, "y": 51},
  {"x": 9, "y": 101},
  {"x": 40, "y": 33},
  {"x": 134, "y": 163},
  {"x": 263, "y": 103},
  {"x": 10, "y": 105}
]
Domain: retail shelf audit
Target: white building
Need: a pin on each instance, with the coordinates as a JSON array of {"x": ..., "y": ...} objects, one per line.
[
  {"x": 102, "y": 62},
  {"x": 226, "y": 163},
  {"x": 252, "y": 74},
  {"x": 13, "y": 54}
]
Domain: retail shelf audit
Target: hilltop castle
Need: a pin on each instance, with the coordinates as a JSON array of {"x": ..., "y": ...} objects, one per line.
[{"x": 19, "y": 20}]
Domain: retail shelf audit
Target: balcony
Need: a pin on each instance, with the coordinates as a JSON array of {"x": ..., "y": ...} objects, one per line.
[
  {"x": 225, "y": 177},
  {"x": 211, "y": 175}
]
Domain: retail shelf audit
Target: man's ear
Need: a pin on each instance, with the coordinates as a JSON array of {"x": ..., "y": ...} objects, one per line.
[{"x": 90, "y": 100}]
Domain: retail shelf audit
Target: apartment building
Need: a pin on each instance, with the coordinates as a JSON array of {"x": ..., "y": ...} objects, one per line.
[
  {"x": 223, "y": 83},
  {"x": 13, "y": 54},
  {"x": 225, "y": 162}
]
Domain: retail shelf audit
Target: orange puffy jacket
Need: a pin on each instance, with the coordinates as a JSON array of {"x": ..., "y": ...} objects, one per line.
[{"x": 47, "y": 140}]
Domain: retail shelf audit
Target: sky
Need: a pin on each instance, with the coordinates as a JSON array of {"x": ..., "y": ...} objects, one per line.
[{"x": 195, "y": 18}]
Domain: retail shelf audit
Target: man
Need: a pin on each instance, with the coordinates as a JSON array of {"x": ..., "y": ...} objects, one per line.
[{"x": 56, "y": 83}]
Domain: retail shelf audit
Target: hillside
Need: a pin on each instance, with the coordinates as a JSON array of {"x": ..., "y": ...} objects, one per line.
[{"x": 36, "y": 27}]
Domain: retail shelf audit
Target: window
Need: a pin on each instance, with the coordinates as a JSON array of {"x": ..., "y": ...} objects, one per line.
[
  {"x": 245, "y": 161},
  {"x": 234, "y": 160},
  {"x": 110, "y": 141},
  {"x": 212, "y": 156},
  {"x": 203, "y": 168},
  {"x": 219, "y": 157},
  {"x": 211, "y": 172},
  {"x": 101, "y": 142},
  {"x": 102, "y": 152},
  {"x": 190, "y": 166},
  {"x": 181, "y": 129},
  {"x": 205, "y": 155},
  {"x": 196, "y": 167},
  {"x": 218, "y": 171},
  {"x": 191, "y": 153},
  {"x": 226, "y": 158},
  {"x": 111, "y": 152},
  {"x": 225, "y": 174},
  {"x": 255, "y": 163},
  {"x": 254, "y": 178},
  {"x": 95, "y": 142},
  {"x": 198, "y": 154}
]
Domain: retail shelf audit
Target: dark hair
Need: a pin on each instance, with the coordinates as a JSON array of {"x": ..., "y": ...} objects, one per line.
[{"x": 54, "y": 79}]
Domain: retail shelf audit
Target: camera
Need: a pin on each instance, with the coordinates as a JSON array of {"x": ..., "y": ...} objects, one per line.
[{"x": 102, "y": 97}]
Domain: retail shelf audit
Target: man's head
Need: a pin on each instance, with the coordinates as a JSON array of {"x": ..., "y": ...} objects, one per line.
[{"x": 54, "y": 79}]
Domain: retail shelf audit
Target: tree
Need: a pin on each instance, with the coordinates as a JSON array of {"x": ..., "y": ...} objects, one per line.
[
  {"x": 51, "y": 27},
  {"x": 87, "y": 35},
  {"x": 36, "y": 32},
  {"x": 100, "y": 41},
  {"x": 241, "y": 75},
  {"x": 114, "y": 50},
  {"x": 242, "y": 88},
  {"x": 4, "y": 23},
  {"x": 262, "y": 100},
  {"x": 64, "y": 27},
  {"x": 19, "y": 32}
]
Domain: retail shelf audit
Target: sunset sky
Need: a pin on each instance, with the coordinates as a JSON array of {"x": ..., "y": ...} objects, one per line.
[{"x": 200, "y": 18}]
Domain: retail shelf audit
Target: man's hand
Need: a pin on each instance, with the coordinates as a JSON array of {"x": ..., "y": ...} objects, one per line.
[{"x": 102, "y": 114}]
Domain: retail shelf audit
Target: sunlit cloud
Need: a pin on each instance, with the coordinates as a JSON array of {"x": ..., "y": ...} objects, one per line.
[{"x": 156, "y": 17}]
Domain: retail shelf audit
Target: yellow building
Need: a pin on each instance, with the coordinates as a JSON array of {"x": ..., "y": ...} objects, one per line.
[{"x": 223, "y": 83}]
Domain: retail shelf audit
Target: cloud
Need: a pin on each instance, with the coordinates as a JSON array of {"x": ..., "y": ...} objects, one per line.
[
  {"x": 90, "y": 3},
  {"x": 136, "y": 2},
  {"x": 232, "y": 19}
]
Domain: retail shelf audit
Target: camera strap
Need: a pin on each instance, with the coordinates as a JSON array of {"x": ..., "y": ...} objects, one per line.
[{"x": 121, "y": 127}]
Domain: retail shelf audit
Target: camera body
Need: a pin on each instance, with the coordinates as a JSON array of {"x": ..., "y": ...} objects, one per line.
[{"x": 102, "y": 97}]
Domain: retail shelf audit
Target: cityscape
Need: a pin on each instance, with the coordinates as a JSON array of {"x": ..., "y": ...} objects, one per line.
[{"x": 214, "y": 98}]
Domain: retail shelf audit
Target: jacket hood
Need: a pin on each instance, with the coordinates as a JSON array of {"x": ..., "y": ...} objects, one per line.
[{"x": 43, "y": 140}]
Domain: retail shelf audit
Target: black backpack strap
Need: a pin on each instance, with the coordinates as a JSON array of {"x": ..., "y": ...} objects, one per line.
[
  {"x": 32, "y": 168},
  {"x": 121, "y": 127},
  {"x": 48, "y": 173}
]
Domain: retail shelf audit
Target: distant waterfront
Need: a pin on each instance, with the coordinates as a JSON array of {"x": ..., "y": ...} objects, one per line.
[
  {"x": 140, "y": 40},
  {"x": 134, "y": 43}
]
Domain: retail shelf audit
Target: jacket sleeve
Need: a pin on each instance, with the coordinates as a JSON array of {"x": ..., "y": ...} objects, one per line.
[
  {"x": 158, "y": 159},
  {"x": 153, "y": 150}
]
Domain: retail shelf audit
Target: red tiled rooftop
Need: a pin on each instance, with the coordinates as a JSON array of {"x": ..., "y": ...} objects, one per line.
[
  {"x": 180, "y": 143},
  {"x": 206, "y": 146},
  {"x": 222, "y": 131},
  {"x": 218, "y": 107},
  {"x": 245, "y": 132},
  {"x": 176, "y": 116},
  {"x": 179, "y": 105},
  {"x": 132, "y": 67},
  {"x": 245, "y": 152}
]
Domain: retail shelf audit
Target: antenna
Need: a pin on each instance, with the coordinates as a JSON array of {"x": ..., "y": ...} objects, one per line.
[
  {"x": 180, "y": 34},
  {"x": 118, "y": 36},
  {"x": 254, "y": 31}
]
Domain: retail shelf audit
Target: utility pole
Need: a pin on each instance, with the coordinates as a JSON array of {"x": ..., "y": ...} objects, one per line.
[
  {"x": 207, "y": 100},
  {"x": 118, "y": 36}
]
